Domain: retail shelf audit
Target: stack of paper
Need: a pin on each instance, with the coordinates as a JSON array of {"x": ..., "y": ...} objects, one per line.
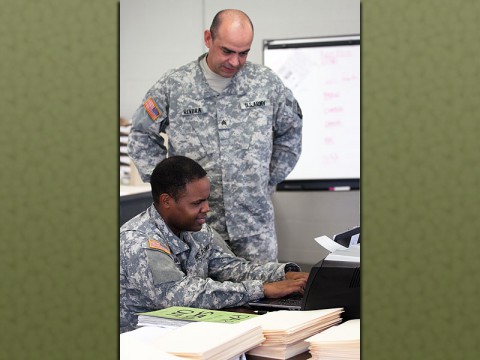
[
  {"x": 285, "y": 331},
  {"x": 134, "y": 345},
  {"x": 338, "y": 342},
  {"x": 210, "y": 341}
]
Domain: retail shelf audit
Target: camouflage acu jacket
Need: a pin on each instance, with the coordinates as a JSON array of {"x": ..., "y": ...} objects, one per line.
[
  {"x": 159, "y": 269},
  {"x": 247, "y": 138}
]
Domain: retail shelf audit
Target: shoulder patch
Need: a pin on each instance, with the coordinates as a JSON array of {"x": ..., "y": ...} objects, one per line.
[
  {"x": 154, "y": 244},
  {"x": 152, "y": 109}
]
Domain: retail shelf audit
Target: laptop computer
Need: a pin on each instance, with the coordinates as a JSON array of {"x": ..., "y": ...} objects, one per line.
[{"x": 332, "y": 282}]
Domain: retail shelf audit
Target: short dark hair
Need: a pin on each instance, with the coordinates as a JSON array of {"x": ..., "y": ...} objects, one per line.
[
  {"x": 172, "y": 174},
  {"x": 217, "y": 20}
]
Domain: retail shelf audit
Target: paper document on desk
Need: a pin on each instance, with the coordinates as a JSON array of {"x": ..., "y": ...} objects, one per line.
[
  {"x": 176, "y": 316},
  {"x": 338, "y": 342},
  {"x": 136, "y": 345},
  {"x": 211, "y": 341},
  {"x": 285, "y": 330}
]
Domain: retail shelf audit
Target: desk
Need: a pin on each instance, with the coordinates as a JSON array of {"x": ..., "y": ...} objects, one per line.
[
  {"x": 134, "y": 189},
  {"x": 134, "y": 200},
  {"x": 130, "y": 340}
]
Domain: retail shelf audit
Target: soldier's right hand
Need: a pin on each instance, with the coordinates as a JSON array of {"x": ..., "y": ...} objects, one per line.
[{"x": 282, "y": 288}]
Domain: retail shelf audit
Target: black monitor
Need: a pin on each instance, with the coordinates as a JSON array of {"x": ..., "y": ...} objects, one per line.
[
  {"x": 133, "y": 204},
  {"x": 332, "y": 284}
]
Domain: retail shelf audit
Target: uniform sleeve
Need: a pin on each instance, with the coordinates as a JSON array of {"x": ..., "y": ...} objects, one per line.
[
  {"x": 223, "y": 265},
  {"x": 194, "y": 291},
  {"x": 161, "y": 283},
  {"x": 226, "y": 267},
  {"x": 287, "y": 138},
  {"x": 146, "y": 146}
]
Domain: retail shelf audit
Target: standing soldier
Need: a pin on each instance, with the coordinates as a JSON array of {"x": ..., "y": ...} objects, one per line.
[{"x": 237, "y": 120}]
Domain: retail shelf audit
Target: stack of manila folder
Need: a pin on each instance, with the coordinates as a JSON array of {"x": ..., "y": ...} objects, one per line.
[
  {"x": 285, "y": 331},
  {"x": 210, "y": 341},
  {"x": 338, "y": 342}
]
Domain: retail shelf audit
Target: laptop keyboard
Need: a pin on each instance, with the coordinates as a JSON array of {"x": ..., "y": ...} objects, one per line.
[{"x": 290, "y": 301}]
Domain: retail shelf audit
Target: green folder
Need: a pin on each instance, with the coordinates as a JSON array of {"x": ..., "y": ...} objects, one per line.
[{"x": 195, "y": 314}]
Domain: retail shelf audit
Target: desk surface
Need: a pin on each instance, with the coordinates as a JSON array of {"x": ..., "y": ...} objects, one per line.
[{"x": 134, "y": 189}]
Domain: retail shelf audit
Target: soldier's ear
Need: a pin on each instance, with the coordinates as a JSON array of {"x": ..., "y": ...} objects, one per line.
[
  {"x": 207, "y": 38},
  {"x": 165, "y": 200}
]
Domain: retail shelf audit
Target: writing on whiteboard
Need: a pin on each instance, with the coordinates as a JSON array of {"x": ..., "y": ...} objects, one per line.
[{"x": 326, "y": 82}]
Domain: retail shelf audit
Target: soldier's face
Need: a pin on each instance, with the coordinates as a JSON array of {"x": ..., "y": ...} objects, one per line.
[
  {"x": 189, "y": 212},
  {"x": 228, "y": 51}
]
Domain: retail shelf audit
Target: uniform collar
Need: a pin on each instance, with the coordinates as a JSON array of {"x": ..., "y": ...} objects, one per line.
[
  {"x": 173, "y": 241},
  {"x": 238, "y": 86}
]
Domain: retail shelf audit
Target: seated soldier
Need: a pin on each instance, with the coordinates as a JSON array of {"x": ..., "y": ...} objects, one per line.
[{"x": 169, "y": 256}]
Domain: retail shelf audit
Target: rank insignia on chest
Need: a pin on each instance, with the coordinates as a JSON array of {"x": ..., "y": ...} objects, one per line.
[
  {"x": 152, "y": 109},
  {"x": 154, "y": 244}
]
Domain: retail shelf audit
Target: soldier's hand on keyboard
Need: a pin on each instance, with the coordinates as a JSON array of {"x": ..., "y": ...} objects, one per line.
[
  {"x": 282, "y": 288},
  {"x": 293, "y": 275}
]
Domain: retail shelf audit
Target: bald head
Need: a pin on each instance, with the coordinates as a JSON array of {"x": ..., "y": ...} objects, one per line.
[{"x": 235, "y": 20}]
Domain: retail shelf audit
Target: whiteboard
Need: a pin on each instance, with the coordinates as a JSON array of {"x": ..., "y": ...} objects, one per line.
[{"x": 324, "y": 76}]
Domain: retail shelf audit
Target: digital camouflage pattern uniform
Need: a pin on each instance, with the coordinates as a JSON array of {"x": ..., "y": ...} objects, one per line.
[
  {"x": 247, "y": 138},
  {"x": 158, "y": 270}
]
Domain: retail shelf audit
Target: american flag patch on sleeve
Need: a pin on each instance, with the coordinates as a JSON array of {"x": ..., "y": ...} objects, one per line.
[
  {"x": 152, "y": 109},
  {"x": 154, "y": 244}
]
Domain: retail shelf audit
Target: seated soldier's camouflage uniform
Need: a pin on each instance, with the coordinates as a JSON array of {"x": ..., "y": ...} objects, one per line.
[{"x": 158, "y": 270}]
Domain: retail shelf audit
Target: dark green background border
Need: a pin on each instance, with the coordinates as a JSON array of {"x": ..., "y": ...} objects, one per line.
[{"x": 59, "y": 179}]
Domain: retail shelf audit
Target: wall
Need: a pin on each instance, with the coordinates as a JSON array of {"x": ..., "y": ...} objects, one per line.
[{"x": 157, "y": 35}]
